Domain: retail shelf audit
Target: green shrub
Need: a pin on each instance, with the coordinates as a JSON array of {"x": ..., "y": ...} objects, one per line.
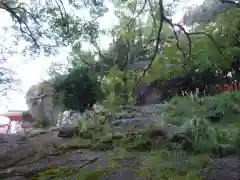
[
  {"x": 78, "y": 91},
  {"x": 192, "y": 114},
  {"x": 226, "y": 104},
  {"x": 117, "y": 87},
  {"x": 181, "y": 109}
]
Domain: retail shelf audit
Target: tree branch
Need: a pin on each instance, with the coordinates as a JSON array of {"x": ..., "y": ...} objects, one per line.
[
  {"x": 186, "y": 56},
  {"x": 20, "y": 21}
]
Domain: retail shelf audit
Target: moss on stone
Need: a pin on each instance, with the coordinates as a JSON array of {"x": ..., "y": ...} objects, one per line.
[
  {"x": 96, "y": 174},
  {"x": 58, "y": 173},
  {"x": 54, "y": 173}
]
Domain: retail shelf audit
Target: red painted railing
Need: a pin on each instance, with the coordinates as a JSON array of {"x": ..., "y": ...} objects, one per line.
[
  {"x": 6, "y": 127},
  {"x": 228, "y": 87},
  {"x": 13, "y": 116}
]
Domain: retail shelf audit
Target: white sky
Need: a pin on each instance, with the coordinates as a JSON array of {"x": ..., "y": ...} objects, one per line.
[{"x": 35, "y": 70}]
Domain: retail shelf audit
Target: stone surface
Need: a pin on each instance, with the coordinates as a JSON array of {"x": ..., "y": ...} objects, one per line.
[
  {"x": 224, "y": 169},
  {"x": 145, "y": 94},
  {"x": 136, "y": 117},
  {"x": 68, "y": 131},
  {"x": 68, "y": 118},
  {"x": 21, "y": 157}
]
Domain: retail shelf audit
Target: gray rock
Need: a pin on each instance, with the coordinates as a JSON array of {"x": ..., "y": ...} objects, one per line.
[
  {"x": 21, "y": 157},
  {"x": 67, "y": 131},
  {"x": 28, "y": 156},
  {"x": 68, "y": 118},
  {"x": 39, "y": 99},
  {"x": 224, "y": 169},
  {"x": 145, "y": 94}
]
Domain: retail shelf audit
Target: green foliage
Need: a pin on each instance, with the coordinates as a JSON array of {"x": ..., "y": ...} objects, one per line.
[
  {"x": 133, "y": 44},
  {"x": 195, "y": 115},
  {"x": 78, "y": 91},
  {"x": 117, "y": 87},
  {"x": 174, "y": 165},
  {"x": 110, "y": 82},
  {"x": 210, "y": 140},
  {"x": 54, "y": 173},
  {"x": 225, "y": 104},
  {"x": 204, "y": 53}
]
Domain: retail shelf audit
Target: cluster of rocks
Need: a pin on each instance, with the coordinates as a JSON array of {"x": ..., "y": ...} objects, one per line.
[
  {"x": 18, "y": 153},
  {"x": 22, "y": 157},
  {"x": 40, "y": 98}
]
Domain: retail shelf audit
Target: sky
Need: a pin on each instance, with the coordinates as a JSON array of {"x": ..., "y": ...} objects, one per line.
[{"x": 34, "y": 71}]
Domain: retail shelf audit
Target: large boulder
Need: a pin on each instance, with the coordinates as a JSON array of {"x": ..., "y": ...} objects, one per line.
[
  {"x": 39, "y": 99},
  {"x": 146, "y": 94}
]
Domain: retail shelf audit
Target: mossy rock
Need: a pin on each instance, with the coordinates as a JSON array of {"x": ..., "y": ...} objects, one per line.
[
  {"x": 54, "y": 173},
  {"x": 57, "y": 173},
  {"x": 96, "y": 174},
  {"x": 102, "y": 147}
]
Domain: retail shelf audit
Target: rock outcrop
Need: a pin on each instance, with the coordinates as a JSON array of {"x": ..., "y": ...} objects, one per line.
[
  {"x": 48, "y": 156},
  {"x": 39, "y": 99},
  {"x": 224, "y": 169},
  {"x": 147, "y": 94}
]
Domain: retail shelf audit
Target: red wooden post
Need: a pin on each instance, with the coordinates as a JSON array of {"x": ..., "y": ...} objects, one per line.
[
  {"x": 12, "y": 116},
  {"x": 235, "y": 86},
  {"x": 238, "y": 88},
  {"x": 231, "y": 87},
  {"x": 9, "y": 125},
  {"x": 226, "y": 87}
]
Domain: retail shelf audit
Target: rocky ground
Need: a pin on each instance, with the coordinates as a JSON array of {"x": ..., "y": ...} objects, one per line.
[
  {"x": 47, "y": 156},
  {"x": 21, "y": 158}
]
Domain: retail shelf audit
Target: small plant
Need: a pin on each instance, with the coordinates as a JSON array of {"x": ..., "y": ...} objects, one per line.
[
  {"x": 237, "y": 140},
  {"x": 118, "y": 89},
  {"x": 227, "y": 104},
  {"x": 181, "y": 109},
  {"x": 175, "y": 164}
]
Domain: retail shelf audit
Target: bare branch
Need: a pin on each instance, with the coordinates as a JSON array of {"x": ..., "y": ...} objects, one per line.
[
  {"x": 186, "y": 56},
  {"x": 30, "y": 14},
  {"x": 158, "y": 40},
  {"x": 85, "y": 62},
  {"x": 211, "y": 38},
  {"x": 64, "y": 16},
  {"x": 20, "y": 21}
]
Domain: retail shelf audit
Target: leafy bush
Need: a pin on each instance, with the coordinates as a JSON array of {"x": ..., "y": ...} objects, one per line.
[
  {"x": 192, "y": 114},
  {"x": 79, "y": 90},
  {"x": 226, "y": 104},
  {"x": 203, "y": 135},
  {"x": 117, "y": 88},
  {"x": 181, "y": 109}
]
